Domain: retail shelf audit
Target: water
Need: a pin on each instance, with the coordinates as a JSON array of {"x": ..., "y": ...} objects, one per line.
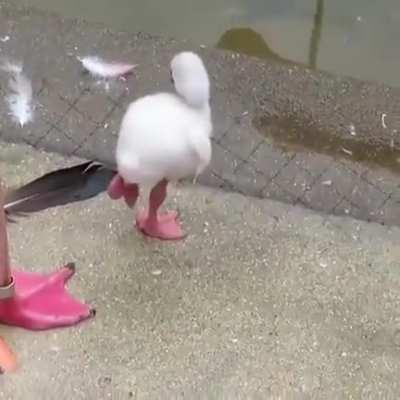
[
  {"x": 358, "y": 38},
  {"x": 290, "y": 136}
]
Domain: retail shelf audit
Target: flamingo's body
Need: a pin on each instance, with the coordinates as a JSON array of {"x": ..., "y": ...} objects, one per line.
[{"x": 164, "y": 137}]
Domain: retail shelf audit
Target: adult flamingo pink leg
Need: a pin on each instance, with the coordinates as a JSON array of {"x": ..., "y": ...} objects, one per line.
[{"x": 35, "y": 301}]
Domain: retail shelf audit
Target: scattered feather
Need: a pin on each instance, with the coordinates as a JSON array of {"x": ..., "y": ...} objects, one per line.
[
  {"x": 12, "y": 67},
  {"x": 352, "y": 130},
  {"x": 20, "y": 101},
  {"x": 383, "y": 121},
  {"x": 4, "y": 39},
  {"x": 350, "y": 153},
  {"x": 323, "y": 264},
  {"x": 100, "y": 68},
  {"x": 56, "y": 188},
  {"x": 327, "y": 183}
]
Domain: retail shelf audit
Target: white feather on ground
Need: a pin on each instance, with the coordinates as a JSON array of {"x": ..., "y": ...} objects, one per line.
[
  {"x": 20, "y": 100},
  {"x": 103, "y": 69},
  {"x": 12, "y": 67}
]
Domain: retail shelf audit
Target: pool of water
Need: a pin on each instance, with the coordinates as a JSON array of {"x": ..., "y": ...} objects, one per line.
[{"x": 359, "y": 38}]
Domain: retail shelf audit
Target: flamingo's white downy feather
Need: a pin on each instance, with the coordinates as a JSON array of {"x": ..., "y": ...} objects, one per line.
[
  {"x": 167, "y": 135},
  {"x": 20, "y": 100},
  {"x": 12, "y": 67},
  {"x": 103, "y": 69}
]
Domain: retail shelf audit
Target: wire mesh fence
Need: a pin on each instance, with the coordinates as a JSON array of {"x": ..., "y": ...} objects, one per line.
[{"x": 243, "y": 160}]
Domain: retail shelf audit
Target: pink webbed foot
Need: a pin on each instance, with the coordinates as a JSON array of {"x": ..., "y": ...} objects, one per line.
[
  {"x": 118, "y": 189},
  {"x": 165, "y": 227},
  {"x": 43, "y": 302}
]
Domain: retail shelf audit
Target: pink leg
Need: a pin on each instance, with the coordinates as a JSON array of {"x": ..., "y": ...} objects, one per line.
[
  {"x": 38, "y": 301},
  {"x": 164, "y": 226},
  {"x": 118, "y": 188},
  {"x": 43, "y": 302}
]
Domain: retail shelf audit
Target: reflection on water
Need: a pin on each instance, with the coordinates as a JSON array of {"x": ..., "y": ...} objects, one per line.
[
  {"x": 351, "y": 37},
  {"x": 248, "y": 41},
  {"x": 316, "y": 34}
]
